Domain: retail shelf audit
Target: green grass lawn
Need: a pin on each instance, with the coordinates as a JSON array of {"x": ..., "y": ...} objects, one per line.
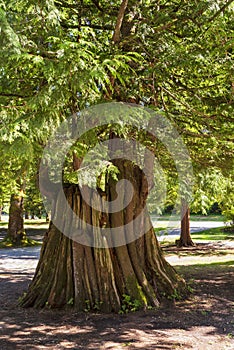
[
  {"x": 35, "y": 230},
  {"x": 193, "y": 217},
  {"x": 39, "y": 223},
  {"x": 213, "y": 234},
  {"x": 38, "y": 227}
]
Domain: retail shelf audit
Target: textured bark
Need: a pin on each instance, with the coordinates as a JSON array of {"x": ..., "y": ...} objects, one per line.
[
  {"x": 185, "y": 236},
  {"x": 92, "y": 278},
  {"x": 16, "y": 231},
  {"x": 119, "y": 21}
]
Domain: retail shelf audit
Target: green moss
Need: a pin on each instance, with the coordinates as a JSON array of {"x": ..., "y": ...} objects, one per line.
[
  {"x": 129, "y": 304},
  {"x": 137, "y": 294}
]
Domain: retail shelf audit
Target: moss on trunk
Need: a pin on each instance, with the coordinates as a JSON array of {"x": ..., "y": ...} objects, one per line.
[{"x": 90, "y": 278}]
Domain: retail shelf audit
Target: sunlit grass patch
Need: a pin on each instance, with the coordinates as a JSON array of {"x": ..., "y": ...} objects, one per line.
[
  {"x": 27, "y": 242},
  {"x": 213, "y": 234}
]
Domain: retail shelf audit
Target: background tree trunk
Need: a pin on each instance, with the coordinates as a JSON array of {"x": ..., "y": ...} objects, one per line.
[
  {"x": 185, "y": 236},
  {"x": 16, "y": 231},
  {"x": 98, "y": 278},
  {"x": 48, "y": 215}
]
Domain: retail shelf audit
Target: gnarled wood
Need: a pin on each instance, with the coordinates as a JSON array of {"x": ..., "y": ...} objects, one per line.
[{"x": 85, "y": 277}]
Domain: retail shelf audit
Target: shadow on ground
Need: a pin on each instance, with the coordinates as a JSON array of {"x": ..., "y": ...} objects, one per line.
[{"x": 204, "y": 321}]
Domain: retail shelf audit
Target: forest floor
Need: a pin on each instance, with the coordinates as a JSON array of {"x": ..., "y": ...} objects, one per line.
[{"x": 203, "y": 321}]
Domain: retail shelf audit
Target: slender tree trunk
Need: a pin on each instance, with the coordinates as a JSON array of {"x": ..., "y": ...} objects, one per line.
[
  {"x": 0, "y": 212},
  {"x": 48, "y": 217},
  {"x": 185, "y": 236},
  {"x": 16, "y": 231},
  {"x": 97, "y": 278},
  {"x": 26, "y": 215}
]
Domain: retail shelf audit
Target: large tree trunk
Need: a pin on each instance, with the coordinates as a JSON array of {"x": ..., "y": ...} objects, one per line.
[
  {"x": 185, "y": 236},
  {"x": 16, "y": 232},
  {"x": 98, "y": 278}
]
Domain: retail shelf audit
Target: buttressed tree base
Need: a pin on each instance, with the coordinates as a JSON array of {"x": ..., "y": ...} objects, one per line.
[{"x": 81, "y": 276}]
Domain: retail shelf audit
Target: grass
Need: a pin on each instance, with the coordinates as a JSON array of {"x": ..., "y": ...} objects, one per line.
[
  {"x": 38, "y": 227},
  {"x": 27, "y": 242},
  {"x": 40, "y": 222},
  {"x": 212, "y": 234},
  {"x": 33, "y": 228},
  {"x": 193, "y": 217},
  {"x": 160, "y": 229},
  {"x": 212, "y": 266}
]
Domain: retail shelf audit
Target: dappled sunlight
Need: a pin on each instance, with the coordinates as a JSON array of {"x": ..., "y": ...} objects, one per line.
[
  {"x": 196, "y": 260},
  {"x": 205, "y": 317},
  {"x": 159, "y": 329}
]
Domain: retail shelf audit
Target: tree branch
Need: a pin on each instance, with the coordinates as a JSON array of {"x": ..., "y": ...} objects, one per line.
[
  {"x": 96, "y": 3},
  {"x": 220, "y": 11},
  {"x": 119, "y": 21},
  {"x": 94, "y": 26},
  {"x": 4, "y": 94}
]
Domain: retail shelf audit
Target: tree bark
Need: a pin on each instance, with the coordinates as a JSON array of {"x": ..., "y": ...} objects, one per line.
[
  {"x": 185, "y": 236},
  {"x": 48, "y": 216},
  {"x": 85, "y": 277},
  {"x": 16, "y": 231},
  {"x": 119, "y": 21}
]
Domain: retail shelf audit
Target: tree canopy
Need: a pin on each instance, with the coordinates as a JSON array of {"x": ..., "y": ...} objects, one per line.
[
  {"x": 58, "y": 57},
  {"x": 175, "y": 57}
]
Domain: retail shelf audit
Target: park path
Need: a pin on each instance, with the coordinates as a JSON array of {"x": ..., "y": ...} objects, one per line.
[
  {"x": 19, "y": 260},
  {"x": 204, "y": 322},
  {"x": 24, "y": 260}
]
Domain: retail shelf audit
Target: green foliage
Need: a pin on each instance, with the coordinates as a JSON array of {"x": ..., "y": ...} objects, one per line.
[
  {"x": 229, "y": 215},
  {"x": 70, "y": 301},
  {"x": 209, "y": 189},
  {"x": 177, "y": 59},
  {"x": 96, "y": 306},
  {"x": 129, "y": 305},
  {"x": 174, "y": 296},
  {"x": 227, "y": 202}
]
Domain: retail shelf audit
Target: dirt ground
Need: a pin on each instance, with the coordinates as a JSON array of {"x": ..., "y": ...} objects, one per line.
[{"x": 204, "y": 321}]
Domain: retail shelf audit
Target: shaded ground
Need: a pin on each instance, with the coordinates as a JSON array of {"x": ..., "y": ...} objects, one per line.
[{"x": 204, "y": 321}]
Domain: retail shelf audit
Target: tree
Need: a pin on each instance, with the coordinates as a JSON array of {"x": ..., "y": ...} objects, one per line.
[
  {"x": 165, "y": 55},
  {"x": 185, "y": 239},
  {"x": 33, "y": 204},
  {"x": 15, "y": 157}
]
